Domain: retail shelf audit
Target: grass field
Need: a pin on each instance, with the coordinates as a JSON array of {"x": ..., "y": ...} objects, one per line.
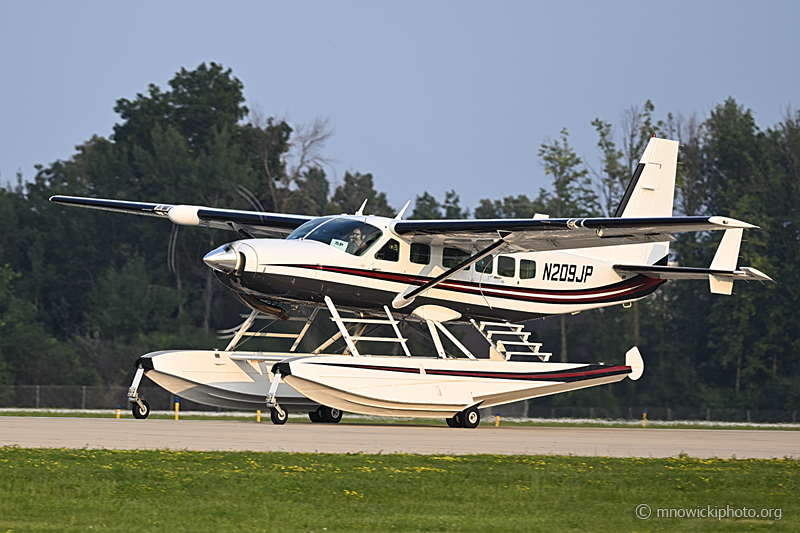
[{"x": 94, "y": 490}]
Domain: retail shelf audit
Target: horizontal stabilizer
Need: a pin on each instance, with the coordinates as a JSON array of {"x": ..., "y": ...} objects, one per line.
[
  {"x": 720, "y": 276},
  {"x": 672, "y": 272}
]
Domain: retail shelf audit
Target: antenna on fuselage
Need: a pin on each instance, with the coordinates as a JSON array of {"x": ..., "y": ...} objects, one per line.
[
  {"x": 360, "y": 211},
  {"x": 402, "y": 211}
]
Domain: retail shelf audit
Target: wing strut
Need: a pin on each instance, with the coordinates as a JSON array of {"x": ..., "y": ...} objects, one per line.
[{"x": 407, "y": 296}]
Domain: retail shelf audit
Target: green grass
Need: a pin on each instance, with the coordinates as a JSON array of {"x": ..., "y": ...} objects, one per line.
[{"x": 101, "y": 490}]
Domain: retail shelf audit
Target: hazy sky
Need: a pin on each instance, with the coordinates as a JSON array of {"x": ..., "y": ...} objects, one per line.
[{"x": 427, "y": 96}]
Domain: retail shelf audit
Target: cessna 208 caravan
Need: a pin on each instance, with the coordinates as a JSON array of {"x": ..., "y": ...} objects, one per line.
[{"x": 490, "y": 273}]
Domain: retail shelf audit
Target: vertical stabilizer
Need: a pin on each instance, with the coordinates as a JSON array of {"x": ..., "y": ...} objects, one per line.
[
  {"x": 650, "y": 193},
  {"x": 651, "y": 190},
  {"x": 725, "y": 259},
  {"x": 634, "y": 360},
  {"x": 728, "y": 251}
]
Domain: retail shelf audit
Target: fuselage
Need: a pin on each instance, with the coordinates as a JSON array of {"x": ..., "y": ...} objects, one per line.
[{"x": 322, "y": 258}]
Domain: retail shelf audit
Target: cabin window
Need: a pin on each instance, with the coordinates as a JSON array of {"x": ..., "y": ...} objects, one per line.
[
  {"x": 345, "y": 234},
  {"x": 527, "y": 269},
  {"x": 506, "y": 266},
  {"x": 389, "y": 252},
  {"x": 453, "y": 256},
  {"x": 420, "y": 253},
  {"x": 485, "y": 265}
]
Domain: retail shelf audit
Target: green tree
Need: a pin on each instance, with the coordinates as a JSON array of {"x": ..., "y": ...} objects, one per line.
[
  {"x": 427, "y": 207},
  {"x": 613, "y": 177},
  {"x": 519, "y": 206},
  {"x": 618, "y": 164},
  {"x": 203, "y": 101},
  {"x": 572, "y": 195},
  {"x": 289, "y": 164},
  {"x": 348, "y": 197},
  {"x": 452, "y": 206},
  {"x": 28, "y": 356},
  {"x": 105, "y": 288},
  {"x": 311, "y": 197}
]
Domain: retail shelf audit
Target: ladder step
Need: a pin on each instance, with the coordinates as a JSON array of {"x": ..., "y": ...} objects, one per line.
[
  {"x": 264, "y": 316},
  {"x": 528, "y": 353},
  {"x": 378, "y": 339},
  {"x": 521, "y": 343},
  {"x": 366, "y": 320},
  {"x": 496, "y": 332},
  {"x": 503, "y": 324}
]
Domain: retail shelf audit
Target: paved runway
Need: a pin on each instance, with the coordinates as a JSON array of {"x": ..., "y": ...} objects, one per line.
[{"x": 212, "y": 435}]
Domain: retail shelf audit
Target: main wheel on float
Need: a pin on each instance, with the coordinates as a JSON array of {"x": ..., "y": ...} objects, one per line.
[
  {"x": 314, "y": 417},
  {"x": 142, "y": 411},
  {"x": 453, "y": 423},
  {"x": 276, "y": 417},
  {"x": 330, "y": 415},
  {"x": 470, "y": 417},
  {"x": 457, "y": 421}
]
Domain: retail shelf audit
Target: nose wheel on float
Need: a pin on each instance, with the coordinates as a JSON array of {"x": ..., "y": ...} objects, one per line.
[
  {"x": 278, "y": 415},
  {"x": 139, "y": 407}
]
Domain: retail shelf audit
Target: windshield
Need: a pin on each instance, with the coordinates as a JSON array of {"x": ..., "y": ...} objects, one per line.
[
  {"x": 349, "y": 235},
  {"x": 303, "y": 230}
]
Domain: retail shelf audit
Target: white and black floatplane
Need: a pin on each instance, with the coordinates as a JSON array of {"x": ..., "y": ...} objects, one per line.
[{"x": 374, "y": 272}]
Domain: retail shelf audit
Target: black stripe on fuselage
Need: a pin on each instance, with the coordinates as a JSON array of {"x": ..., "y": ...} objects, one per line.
[
  {"x": 636, "y": 284},
  {"x": 291, "y": 289}
]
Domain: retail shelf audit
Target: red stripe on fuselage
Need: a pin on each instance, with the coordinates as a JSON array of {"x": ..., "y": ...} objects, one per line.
[
  {"x": 633, "y": 285},
  {"x": 577, "y": 375}
]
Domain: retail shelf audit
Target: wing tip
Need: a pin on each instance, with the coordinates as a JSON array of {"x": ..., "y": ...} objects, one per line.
[{"x": 731, "y": 223}]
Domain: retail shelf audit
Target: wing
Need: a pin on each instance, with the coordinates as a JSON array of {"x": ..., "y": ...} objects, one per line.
[
  {"x": 535, "y": 235},
  {"x": 246, "y": 223}
]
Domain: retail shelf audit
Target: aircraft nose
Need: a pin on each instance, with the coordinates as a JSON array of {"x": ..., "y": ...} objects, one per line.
[{"x": 224, "y": 259}]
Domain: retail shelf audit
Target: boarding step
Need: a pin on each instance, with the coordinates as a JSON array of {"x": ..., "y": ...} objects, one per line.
[
  {"x": 501, "y": 346},
  {"x": 361, "y": 324}
]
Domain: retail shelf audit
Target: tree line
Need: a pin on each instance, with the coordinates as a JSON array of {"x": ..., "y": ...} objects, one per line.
[{"x": 85, "y": 292}]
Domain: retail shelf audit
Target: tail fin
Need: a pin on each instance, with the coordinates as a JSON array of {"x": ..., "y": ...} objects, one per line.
[
  {"x": 720, "y": 276},
  {"x": 651, "y": 190},
  {"x": 650, "y": 193},
  {"x": 725, "y": 259}
]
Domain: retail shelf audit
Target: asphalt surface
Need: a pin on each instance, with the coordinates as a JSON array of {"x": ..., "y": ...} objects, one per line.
[{"x": 212, "y": 435}]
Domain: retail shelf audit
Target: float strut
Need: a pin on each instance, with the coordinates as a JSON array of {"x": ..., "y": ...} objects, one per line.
[
  {"x": 272, "y": 403},
  {"x": 133, "y": 392}
]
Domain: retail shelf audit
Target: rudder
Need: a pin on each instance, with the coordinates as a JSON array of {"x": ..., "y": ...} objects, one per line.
[{"x": 651, "y": 191}]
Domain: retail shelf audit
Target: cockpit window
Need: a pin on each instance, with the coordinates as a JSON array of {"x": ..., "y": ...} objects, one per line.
[
  {"x": 303, "y": 230},
  {"x": 346, "y": 234}
]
